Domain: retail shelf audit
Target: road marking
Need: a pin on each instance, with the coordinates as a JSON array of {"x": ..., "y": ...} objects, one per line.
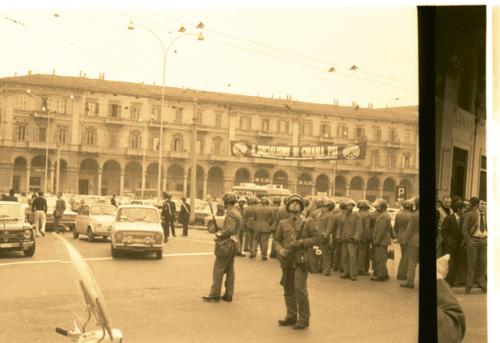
[
  {"x": 191, "y": 240},
  {"x": 100, "y": 259}
]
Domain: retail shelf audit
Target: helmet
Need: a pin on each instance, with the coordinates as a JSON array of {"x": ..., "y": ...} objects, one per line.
[
  {"x": 264, "y": 201},
  {"x": 408, "y": 204},
  {"x": 380, "y": 202},
  {"x": 242, "y": 199},
  {"x": 350, "y": 202},
  {"x": 363, "y": 204},
  {"x": 295, "y": 197},
  {"x": 319, "y": 202},
  {"x": 229, "y": 197},
  {"x": 277, "y": 200},
  {"x": 329, "y": 203}
]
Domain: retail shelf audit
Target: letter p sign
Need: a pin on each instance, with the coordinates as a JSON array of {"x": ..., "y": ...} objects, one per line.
[{"x": 401, "y": 192}]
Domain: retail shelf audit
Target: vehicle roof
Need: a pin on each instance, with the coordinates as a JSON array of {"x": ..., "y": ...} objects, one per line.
[{"x": 137, "y": 206}]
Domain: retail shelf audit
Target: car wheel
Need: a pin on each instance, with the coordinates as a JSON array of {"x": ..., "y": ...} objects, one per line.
[
  {"x": 90, "y": 235},
  {"x": 30, "y": 252},
  {"x": 75, "y": 233},
  {"x": 159, "y": 254},
  {"x": 114, "y": 252}
]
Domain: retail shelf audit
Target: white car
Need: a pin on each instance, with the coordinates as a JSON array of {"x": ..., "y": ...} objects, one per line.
[
  {"x": 94, "y": 220},
  {"x": 137, "y": 228}
]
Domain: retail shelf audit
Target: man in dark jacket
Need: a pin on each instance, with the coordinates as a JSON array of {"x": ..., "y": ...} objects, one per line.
[
  {"x": 264, "y": 218},
  {"x": 225, "y": 265},
  {"x": 168, "y": 215},
  {"x": 184, "y": 216},
  {"x": 412, "y": 240},
  {"x": 381, "y": 240},
  {"x": 366, "y": 237},
  {"x": 39, "y": 208},
  {"x": 349, "y": 233},
  {"x": 451, "y": 233},
  {"x": 400, "y": 225},
  {"x": 293, "y": 236},
  {"x": 58, "y": 214},
  {"x": 241, "y": 235}
]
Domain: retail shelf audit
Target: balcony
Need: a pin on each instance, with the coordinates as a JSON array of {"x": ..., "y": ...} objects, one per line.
[
  {"x": 394, "y": 144},
  {"x": 377, "y": 169},
  {"x": 42, "y": 115},
  {"x": 114, "y": 121},
  {"x": 326, "y": 139},
  {"x": 177, "y": 155},
  {"x": 265, "y": 134},
  {"x": 217, "y": 157},
  {"x": 41, "y": 145},
  {"x": 90, "y": 149},
  {"x": 130, "y": 152}
]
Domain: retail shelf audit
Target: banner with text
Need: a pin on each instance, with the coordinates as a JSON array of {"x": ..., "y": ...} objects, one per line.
[{"x": 353, "y": 151}]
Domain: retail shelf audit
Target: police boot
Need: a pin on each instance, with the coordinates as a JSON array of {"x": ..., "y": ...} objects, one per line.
[
  {"x": 287, "y": 322},
  {"x": 211, "y": 299},
  {"x": 227, "y": 298},
  {"x": 301, "y": 325}
]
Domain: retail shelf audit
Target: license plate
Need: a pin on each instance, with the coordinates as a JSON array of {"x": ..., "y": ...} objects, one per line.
[{"x": 8, "y": 245}]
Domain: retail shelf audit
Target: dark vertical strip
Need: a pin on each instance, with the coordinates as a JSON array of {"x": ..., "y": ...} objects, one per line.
[{"x": 427, "y": 289}]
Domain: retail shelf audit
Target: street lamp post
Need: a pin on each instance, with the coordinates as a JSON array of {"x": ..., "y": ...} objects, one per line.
[
  {"x": 143, "y": 183},
  {"x": 194, "y": 152},
  {"x": 182, "y": 31}
]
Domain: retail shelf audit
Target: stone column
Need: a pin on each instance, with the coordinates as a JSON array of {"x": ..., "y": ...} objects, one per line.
[
  {"x": 228, "y": 183},
  {"x": 72, "y": 185},
  {"x": 164, "y": 185},
  {"x": 381, "y": 191},
  {"x": 184, "y": 185},
  {"x": 28, "y": 176},
  {"x": 99, "y": 181},
  {"x": 347, "y": 189},
  {"x": 205, "y": 181},
  {"x": 364, "y": 191},
  {"x": 122, "y": 181},
  {"x": 293, "y": 185},
  {"x": 50, "y": 187}
]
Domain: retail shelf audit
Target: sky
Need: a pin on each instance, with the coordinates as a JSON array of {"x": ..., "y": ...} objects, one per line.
[{"x": 276, "y": 51}]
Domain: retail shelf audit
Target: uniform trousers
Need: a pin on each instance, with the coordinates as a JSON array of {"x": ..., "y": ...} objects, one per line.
[
  {"x": 476, "y": 261},
  {"x": 403, "y": 262},
  {"x": 242, "y": 242},
  {"x": 248, "y": 240},
  {"x": 260, "y": 239},
  {"x": 223, "y": 266},
  {"x": 350, "y": 259},
  {"x": 380, "y": 262},
  {"x": 296, "y": 296},
  {"x": 363, "y": 252},
  {"x": 273, "y": 252},
  {"x": 326, "y": 256},
  {"x": 336, "y": 252},
  {"x": 413, "y": 253},
  {"x": 185, "y": 227}
]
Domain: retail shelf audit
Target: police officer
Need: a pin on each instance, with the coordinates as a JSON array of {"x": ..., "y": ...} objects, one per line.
[
  {"x": 168, "y": 215},
  {"x": 241, "y": 208},
  {"x": 293, "y": 236},
  {"x": 250, "y": 225},
  {"x": 381, "y": 240},
  {"x": 333, "y": 224},
  {"x": 230, "y": 231},
  {"x": 322, "y": 220},
  {"x": 400, "y": 224},
  {"x": 412, "y": 240},
  {"x": 264, "y": 218},
  {"x": 274, "y": 227},
  {"x": 366, "y": 237},
  {"x": 349, "y": 234}
]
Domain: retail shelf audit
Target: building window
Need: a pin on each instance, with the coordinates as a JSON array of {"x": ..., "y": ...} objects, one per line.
[
  {"x": 307, "y": 128},
  {"x": 177, "y": 144},
  {"x": 155, "y": 112},
  {"x": 135, "y": 140},
  {"x": 284, "y": 126},
  {"x": 360, "y": 132},
  {"x": 265, "y": 125},
  {"x": 392, "y": 161},
  {"x": 407, "y": 136},
  {"x": 42, "y": 134},
  {"x": 21, "y": 132},
  {"x": 324, "y": 130},
  {"x": 375, "y": 158},
  {"x": 393, "y": 137},
  {"x": 178, "y": 115},
  {"x": 22, "y": 101},
  {"x": 62, "y": 135},
  {"x": 249, "y": 123},
  {"x": 377, "y": 134},
  {"x": 406, "y": 161},
  {"x": 218, "y": 120},
  {"x": 342, "y": 131},
  {"x": 216, "y": 145},
  {"x": 135, "y": 111},
  {"x": 91, "y": 137},
  {"x": 241, "y": 122},
  {"x": 44, "y": 103},
  {"x": 482, "y": 179},
  {"x": 115, "y": 110},
  {"x": 92, "y": 108}
]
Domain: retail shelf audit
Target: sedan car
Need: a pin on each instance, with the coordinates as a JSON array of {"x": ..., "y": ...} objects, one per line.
[
  {"x": 16, "y": 233},
  {"x": 137, "y": 228},
  {"x": 68, "y": 217},
  {"x": 94, "y": 220}
]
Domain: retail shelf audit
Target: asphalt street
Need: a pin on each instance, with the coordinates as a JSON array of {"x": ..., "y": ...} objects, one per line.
[{"x": 160, "y": 300}]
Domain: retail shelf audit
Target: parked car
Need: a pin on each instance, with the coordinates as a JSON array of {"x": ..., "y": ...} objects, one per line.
[
  {"x": 16, "y": 233},
  {"x": 67, "y": 219},
  {"x": 94, "y": 220},
  {"x": 137, "y": 228}
]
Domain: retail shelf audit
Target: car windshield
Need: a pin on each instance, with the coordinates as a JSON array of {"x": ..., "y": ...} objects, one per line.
[
  {"x": 103, "y": 210},
  {"x": 10, "y": 211},
  {"x": 138, "y": 214}
]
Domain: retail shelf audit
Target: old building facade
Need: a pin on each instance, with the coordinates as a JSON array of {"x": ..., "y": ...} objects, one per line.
[{"x": 105, "y": 135}]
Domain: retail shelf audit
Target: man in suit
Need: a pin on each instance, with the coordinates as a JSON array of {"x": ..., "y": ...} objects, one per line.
[
  {"x": 168, "y": 215},
  {"x": 381, "y": 240},
  {"x": 58, "y": 214},
  {"x": 264, "y": 218},
  {"x": 451, "y": 233},
  {"x": 475, "y": 234},
  {"x": 400, "y": 225},
  {"x": 184, "y": 216},
  {"x": 412, "y": 240},
  {"x": 293, "y": 236}
]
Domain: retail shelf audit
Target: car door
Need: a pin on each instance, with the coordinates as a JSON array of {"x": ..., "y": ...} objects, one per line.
[{"x": 84, "y": 219}]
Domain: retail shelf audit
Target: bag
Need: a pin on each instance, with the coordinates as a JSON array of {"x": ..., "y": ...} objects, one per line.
[{"x": 225, "y": 248}]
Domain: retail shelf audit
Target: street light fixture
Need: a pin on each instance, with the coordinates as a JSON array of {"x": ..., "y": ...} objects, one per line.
[{"x": 182, "y": 33}]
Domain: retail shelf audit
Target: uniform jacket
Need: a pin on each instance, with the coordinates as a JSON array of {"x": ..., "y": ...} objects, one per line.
[
  {"x": 451, "y": 233},
  {"x": 289, "y": 230},
  {"x": 450, "y": 316},
  {"x": 349, "y": 230},
  {"x": 242, "y": 211},
  {"x": 333, "y": 223},
  {"x": 250, "y": 217},
  {"x": 39, "y": 204},
  {"x": 382, "y": 232},
  {"x": 373, "y": 219},
  {"x": 412, "y": 235},
  {"x": 184, "y": 212},
  {"x": 470, "y": 223},
  {"x": 401, "y": 223},
  {"x": 60, "y": 207},
  {"x": 364, "y": 225},
  {"x": 264, "y": 218},
  {"x": 232, "y": 223},
  {"x": 165, "y": 213}
]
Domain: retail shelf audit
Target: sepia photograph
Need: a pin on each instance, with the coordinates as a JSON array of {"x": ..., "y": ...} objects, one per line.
[{"x": 237, "y": 173}]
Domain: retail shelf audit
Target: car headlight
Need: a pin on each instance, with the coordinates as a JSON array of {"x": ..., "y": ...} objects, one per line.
[
  {"x": 158, "y": 238},
  {"x": 119, "y": 237},
  {"x": 129, "y": 239},
  {"x": 98, "y": 225},
  {"x": 148, "y": 240},
  {"x": 27, "y": 234}
]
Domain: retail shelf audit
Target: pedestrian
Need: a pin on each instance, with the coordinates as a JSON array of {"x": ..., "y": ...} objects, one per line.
[
  {"x": 412, "y": 241},
  {"x": 400, "y": 224},
  {"x": 39, "y": 208},
  {"x": 224, "y": 263},
  {"x": 113, "y": 201},
  {"x": 366, "y": 237},
  {"x": 241, "y": 208},
  {"x": 321, "y": 221},
  {"x": 264, "y": 218},
  {"x": 184, "y": 216},
  {"x": 381, "y": 240},
  {"x": 11, "y": 196},
  {"x": 349, "y": 234},
  {"x": 250, "y": 225},
  {"x": 333, "y": 225},
  {"x": 58, "y": 214},
  {"x": 293, "y": 236},
  {"x": 444, "y": 210},
  {"x": 168, "y": 215},
  {"x": 274, "y": 226},
  {"x": 475, "y": 234},
  {"x": 451, "y": 232}
]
